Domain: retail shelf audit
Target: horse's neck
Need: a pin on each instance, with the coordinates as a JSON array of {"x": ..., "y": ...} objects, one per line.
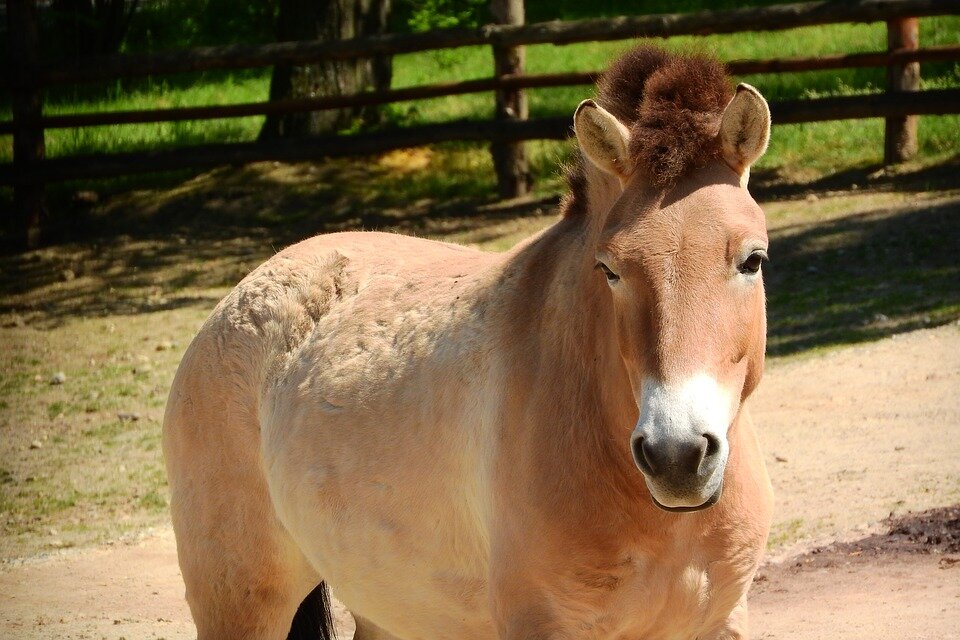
[
  {"x": 555, "y": 297},
  {"x": 576, "y": 323},
  {"x": 565, "y": 361}
]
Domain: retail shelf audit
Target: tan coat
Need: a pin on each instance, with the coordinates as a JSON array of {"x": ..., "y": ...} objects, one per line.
[{"x": 444, "y": 435}]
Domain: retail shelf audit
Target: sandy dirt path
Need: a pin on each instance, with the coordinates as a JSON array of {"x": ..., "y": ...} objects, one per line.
[
  {"x": 852, "y": 435},
  {"x": 908, "y": 597}
]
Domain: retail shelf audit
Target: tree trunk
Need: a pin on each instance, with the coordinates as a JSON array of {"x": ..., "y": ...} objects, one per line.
[
  {"x": 90, "y": 27},
  {"x": 328, "y": 20}
]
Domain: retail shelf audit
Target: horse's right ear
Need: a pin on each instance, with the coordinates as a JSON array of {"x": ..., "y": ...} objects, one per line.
[
  {"x": 603, "y": 139},
  {"x": 745, "y": 130}
]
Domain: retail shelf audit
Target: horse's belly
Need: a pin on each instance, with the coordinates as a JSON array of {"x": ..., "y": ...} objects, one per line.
[
  {"x": 388, "y": 504},
  {"x": 410, "y": 594},
  {"x": 398, "y": 546}
]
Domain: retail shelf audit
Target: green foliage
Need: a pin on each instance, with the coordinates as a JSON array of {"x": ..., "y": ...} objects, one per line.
[
  {"x": 425, "y": 15},
  {"x": 178, "y": 24},
  {"x": 542, "y": 10},
  {"x": 156, "y": 26}
]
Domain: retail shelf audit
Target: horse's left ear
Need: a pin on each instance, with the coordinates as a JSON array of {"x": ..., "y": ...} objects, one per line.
[
  {"x": 745, "y": 130},
  {"x": 603, "y": 138}
]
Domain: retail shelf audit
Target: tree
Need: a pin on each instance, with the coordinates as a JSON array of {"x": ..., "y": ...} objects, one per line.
[
  {"x": 327, "y": 20},
  {"x": 90, "y": 27}
]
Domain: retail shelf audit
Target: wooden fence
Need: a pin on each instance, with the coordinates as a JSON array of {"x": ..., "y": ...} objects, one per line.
[{"x": 28, "y": 173}]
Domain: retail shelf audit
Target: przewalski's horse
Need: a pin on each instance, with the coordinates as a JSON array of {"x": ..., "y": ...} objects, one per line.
[{"x": 451, "y": 439}]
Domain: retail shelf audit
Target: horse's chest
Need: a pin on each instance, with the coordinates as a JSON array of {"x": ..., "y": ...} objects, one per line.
[
  {"x": 655, "y": 598},
  {"x": 673, "y": 601}
]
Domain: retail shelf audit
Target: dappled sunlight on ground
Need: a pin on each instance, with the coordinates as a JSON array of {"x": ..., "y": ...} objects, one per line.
[{"x": 847, "y": 263}]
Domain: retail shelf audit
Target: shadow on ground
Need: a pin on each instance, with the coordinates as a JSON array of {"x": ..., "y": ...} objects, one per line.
[
  {"x": 932, "y": 532},
  {"x": 169, "y": 246},
  {"x": 775, "y": 185},
  {"x": 863, "y": 276},
  {"x": 858, "y": 275}
]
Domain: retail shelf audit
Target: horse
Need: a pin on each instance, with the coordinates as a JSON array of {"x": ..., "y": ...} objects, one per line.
[{"x": 546, "y": 443}]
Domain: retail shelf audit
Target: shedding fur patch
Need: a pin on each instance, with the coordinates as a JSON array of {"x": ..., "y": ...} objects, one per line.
[{"x": 672, "y": 104}]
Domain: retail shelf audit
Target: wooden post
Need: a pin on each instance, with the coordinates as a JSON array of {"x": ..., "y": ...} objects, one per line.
[
  {"x": 900, "y": 135},
  {"x": 28, "y": 142},
  {"x": 509, "y": 158}
]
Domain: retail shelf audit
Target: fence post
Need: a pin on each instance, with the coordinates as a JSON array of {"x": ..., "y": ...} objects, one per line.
[
  {"x": 28, "y": 142},
  {"x": 900, "y": 134},
  {"x": 509, "y": 158}
]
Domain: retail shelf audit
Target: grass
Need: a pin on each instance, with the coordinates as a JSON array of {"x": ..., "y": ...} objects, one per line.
[
  {"x": 76, "y": 469},
  {"x": 785, "y": 532},
  {"x": 796, "y": 145},
  {"x": 838, "y": 279}
]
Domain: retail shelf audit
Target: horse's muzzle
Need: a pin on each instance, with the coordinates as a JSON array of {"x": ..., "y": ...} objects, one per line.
[
  {"x": 712, "y": 500},
  {"x": 682, "y": 473}
]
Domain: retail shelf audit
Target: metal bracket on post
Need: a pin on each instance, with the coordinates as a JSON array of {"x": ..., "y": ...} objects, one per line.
[
  {"x": 510, "y": 158},
  {"x": 900, "y": 133}
]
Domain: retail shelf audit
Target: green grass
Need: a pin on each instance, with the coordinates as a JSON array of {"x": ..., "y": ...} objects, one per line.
[
  {"x": 74, "y": 473},
  {"x": 153, "y": 95},
  {"x": 785, "y": 532},
  {"x": 812, "y": 147},
  {"x": 840, "y": 279}
]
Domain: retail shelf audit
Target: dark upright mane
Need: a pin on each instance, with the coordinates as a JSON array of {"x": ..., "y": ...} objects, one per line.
[{"x": 672, "y": 105}]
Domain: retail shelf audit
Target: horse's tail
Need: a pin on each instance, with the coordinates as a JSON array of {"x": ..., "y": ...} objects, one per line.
[{"x": 314, "y": 617}]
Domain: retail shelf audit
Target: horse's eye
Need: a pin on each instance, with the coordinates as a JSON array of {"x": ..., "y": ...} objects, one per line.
[
  {"x": 611, "y": 276},
  {"x": 752, "y": 264}
]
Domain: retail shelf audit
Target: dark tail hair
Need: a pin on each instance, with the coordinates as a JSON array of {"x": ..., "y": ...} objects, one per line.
[{"x": 314, "y": 617}]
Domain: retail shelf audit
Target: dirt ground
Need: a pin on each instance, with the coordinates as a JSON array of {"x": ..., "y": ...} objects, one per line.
[{"x": 860, "y": 441}]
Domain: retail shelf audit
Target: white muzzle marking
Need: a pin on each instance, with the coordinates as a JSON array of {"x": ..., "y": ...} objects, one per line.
[{"x": 680, "y": 441}]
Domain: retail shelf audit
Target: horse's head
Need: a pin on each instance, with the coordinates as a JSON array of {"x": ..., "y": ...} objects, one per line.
[{"x": 683, "y": 265}]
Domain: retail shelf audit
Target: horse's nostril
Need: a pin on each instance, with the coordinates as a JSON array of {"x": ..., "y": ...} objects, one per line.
[
  {"x": 713, "y": 445},
  {"x": 691, "y": 454},
  {"x": 646, "y": 457}
]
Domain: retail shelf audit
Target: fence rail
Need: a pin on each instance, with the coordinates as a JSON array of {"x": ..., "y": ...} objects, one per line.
[
  {"x": 30, "y": 171},
  {"x": 933, "y": 102},
  {"x": 278, "y": 107},
  {"x": 772, "y": 18}
]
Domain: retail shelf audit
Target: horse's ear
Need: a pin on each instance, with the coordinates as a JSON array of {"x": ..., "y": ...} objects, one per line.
[
  {"x": 603, "y": 138},
  {"x": 745, "y": 130}
]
